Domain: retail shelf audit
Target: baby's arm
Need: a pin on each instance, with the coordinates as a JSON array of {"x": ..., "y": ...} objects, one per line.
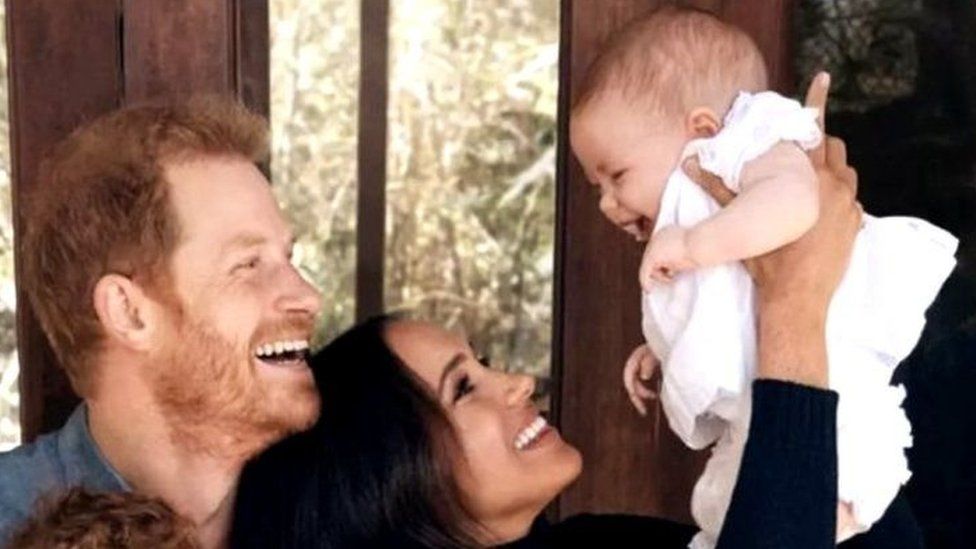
[{"x": 777, "y": 205}]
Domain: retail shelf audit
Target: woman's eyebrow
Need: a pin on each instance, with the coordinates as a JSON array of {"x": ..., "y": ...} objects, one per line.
[{"x": 451, "y": 365}]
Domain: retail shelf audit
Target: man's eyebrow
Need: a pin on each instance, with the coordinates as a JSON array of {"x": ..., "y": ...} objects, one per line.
[
  {"x": 242, "y": 241},
  {"x": 451, "y": 365}
]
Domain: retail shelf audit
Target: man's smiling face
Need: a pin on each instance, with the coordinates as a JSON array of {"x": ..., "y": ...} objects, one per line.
[{"x": 230, "y": 370}]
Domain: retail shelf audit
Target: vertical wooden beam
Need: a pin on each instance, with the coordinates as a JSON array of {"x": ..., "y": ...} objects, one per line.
[
  {"x": 563, "y": 160},
  {"x": 633, "y": 465},
  {"x": 374, "y": 35},
  {"x": 177, "y": 48},
  {"x": 65, "y": 69},
  {"x": 252, "y": 50}
]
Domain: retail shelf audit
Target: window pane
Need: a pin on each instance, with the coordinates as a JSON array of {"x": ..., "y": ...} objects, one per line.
[
  {"x": 9, "y": 367},
  {"x": 314, "y": 87},
  {"x": 471, "y": 166}
]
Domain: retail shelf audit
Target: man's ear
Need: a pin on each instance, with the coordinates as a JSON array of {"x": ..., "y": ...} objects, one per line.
[
  {"x": 123, "y": 309},
  {"x": 702, "y": 122}
]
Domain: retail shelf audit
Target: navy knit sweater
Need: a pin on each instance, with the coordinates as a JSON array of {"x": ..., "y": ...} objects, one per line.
[{"x": 785, "y": 496}]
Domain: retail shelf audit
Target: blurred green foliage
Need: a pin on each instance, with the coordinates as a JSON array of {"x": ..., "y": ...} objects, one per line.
[{"x": 471, "y": 162}]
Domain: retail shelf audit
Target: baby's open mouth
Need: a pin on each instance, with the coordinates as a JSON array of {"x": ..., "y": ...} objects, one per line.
[
  {"x": 282, "y": 352},
  {"x": 639, "y": 228}
]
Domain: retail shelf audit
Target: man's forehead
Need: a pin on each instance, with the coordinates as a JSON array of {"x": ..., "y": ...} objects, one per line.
[{"x": 226, "y": 199}]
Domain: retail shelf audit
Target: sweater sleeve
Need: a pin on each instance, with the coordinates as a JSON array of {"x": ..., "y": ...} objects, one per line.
[{"x": 786, "y": 492}]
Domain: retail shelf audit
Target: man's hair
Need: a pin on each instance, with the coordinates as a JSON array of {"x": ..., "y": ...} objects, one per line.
[
  {"x": 84, "y": 520},
  {"x": 675, "y": 59},
  {"x": 101, "y": 206}
]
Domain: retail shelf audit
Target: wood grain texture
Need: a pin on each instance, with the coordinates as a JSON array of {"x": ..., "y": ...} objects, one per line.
[
  {"x": 64, "y": 69},
  {"x": 174, "y": 48},
  {"x": 252, "y": 54},
  {"x": 632, "y": 464},
  {"x": 371, "y": 156}
]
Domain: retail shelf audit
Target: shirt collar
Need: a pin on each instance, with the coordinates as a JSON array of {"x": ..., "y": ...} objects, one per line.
[{"x": 83, "y": 462}]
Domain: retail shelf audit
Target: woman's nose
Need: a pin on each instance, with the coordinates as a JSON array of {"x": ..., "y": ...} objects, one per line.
[{"x": 521, "y": 388}]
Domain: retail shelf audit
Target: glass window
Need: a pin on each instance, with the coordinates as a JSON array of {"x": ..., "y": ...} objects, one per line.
[
  {"x": 471, "y": 171},
  {"x": 314, "y": 99},
  {"x": 9, "y": 366}
]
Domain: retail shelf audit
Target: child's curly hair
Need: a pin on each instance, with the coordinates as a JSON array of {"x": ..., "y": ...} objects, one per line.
[{"x": 84, "y": 520}]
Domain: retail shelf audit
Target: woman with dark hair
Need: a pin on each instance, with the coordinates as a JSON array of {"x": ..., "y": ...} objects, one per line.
[
  {"x": 374, "y": 471},
  {"x": 419, "y": 445}
]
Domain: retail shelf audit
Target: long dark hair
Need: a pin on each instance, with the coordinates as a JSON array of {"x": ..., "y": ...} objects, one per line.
[{"x": 374, "y": 471}]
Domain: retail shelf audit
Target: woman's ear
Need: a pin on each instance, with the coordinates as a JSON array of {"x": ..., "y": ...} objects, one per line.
[
  {"x": 702, "y": 122},
  {"x": 122, "y": 308}
]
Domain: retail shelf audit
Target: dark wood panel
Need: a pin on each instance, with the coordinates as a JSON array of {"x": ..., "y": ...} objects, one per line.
[
  {"x": 563, "y": 155},
  {"x": 632, "y": 464},
  {"x": 64, "y": 69},
  {"x": 371, "y": 156},
  {"x": 252, "y": 52},
  {"x": 178, "y": 47}
]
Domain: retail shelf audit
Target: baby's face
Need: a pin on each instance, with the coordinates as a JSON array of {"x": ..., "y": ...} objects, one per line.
[{"x": 628, "y": 155}]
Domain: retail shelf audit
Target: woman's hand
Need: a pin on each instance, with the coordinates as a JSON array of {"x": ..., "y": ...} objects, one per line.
[{"x": 795, "y": 283}]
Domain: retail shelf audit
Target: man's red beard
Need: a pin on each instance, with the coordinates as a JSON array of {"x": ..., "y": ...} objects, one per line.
[{"x": 216, "y": 402}]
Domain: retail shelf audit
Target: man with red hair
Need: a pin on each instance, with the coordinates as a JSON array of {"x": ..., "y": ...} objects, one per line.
[{"x": 159, "y": 265}]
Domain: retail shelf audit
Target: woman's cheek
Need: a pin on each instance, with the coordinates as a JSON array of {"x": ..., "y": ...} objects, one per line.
[{"x": 483, "y": 441}]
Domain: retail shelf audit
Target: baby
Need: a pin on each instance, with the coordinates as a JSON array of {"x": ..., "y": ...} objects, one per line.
[{"x": 681, "y": 84}]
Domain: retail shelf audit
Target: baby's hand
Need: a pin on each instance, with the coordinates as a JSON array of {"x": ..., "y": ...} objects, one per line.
[
  {"x": 638, "y": 369},
  {"x": 665, "y": 256},
  {"x": 847, "y": 526}
]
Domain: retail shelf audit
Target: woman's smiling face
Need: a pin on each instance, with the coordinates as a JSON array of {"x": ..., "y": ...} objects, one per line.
[{"x": 512, "y": 463}]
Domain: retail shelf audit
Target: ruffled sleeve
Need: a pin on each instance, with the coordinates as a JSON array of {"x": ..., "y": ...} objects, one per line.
[{"x": 752, "y": 126}]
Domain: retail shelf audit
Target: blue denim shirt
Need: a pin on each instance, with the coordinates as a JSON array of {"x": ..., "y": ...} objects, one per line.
[{"x": 53, "y": 463}]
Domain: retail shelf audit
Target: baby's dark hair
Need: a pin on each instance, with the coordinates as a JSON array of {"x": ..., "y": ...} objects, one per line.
[
  {"x": 673, "y": 60},
  {"x": 84, "y": 520}
]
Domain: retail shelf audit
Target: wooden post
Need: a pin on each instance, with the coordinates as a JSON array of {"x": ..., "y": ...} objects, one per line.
[{"x": 374, "y": 39}]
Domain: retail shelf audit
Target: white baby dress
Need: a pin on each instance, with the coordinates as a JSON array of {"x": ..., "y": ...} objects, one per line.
[{"x": 702, "y": 327}]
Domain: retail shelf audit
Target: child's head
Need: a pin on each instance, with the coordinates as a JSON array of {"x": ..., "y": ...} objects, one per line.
[
  {"x": 664, "y": 79},
  {"x": 84, "y": 520}
]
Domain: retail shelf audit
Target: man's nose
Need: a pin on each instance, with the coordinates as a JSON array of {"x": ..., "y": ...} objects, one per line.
[{"x": 298, "y": 295}]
